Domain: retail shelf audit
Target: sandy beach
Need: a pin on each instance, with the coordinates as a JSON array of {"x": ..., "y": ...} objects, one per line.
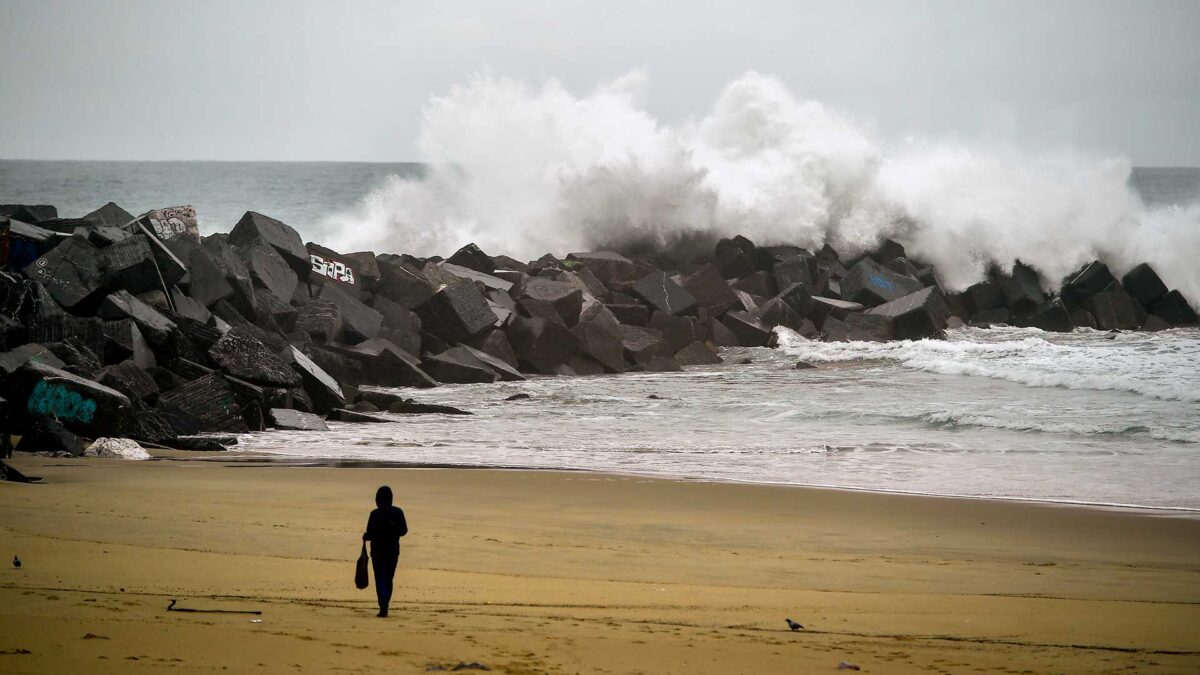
[{"x": 557, "y": 572}]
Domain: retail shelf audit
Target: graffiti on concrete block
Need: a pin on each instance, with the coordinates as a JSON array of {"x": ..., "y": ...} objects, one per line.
[
  {"x": 880, "y": 282},
  {"x": 173, "y": 222},
  {"x": 50, "y": 399},
  {"x": 334, "y": 269}
]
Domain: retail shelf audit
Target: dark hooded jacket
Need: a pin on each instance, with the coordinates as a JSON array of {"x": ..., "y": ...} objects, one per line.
[{"x": 385, "y": 525}]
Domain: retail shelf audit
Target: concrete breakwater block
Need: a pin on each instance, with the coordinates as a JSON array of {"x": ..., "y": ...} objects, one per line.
[
  {"x": 246, "y": 358},
  {"x": 294, "y": 420},
  {"x": 869, "y": 283},
  {"x": 916, "y": 316},
  {"x": 456, "y": 312}
]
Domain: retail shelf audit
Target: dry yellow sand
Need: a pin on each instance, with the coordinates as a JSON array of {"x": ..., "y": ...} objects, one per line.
[{"x": 531, "y": 572}]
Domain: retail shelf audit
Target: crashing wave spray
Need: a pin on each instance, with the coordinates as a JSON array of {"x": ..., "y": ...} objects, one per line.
[{"x": 525, "y": 171}]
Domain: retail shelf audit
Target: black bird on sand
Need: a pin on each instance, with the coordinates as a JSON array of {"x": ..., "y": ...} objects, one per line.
[
  {"x": 793, "y": 625},
  {"x": 16, "y": 562}
]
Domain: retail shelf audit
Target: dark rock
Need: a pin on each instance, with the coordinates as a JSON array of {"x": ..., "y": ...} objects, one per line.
[
  {"x": 495, "y": 343},
  {"x": 456, "y": 312},
  {"x": 720, "y": 335},
  {"x": 244, "y": 357},
  {"x": 458, "y": 366},
  {"x": 507, "y": 371},
  {"x": 827, "y": 253},
  {"x": 759, "y": 284},
  {"x": 399, "y": 324},
  {"x": 188, "y": 369},
  {"x": 359, "y": 322},
  {"x": 189, "y": 307},
  {"x": 485, "y": 280},
  {"x": 1144, "y": 285},
  {"x": 208, "y": 280},
  {"x": 353, "y": 416},
  {"x": 518, "y": 397},
  {"x": 678, "y": 331},
  {"x": 1092, "y": 279},
  {"x": 320, "y": 319},
  {"x": 601, "y": 343},
  {"x": 662, "y": 364},
  {"x": 29, "y": 213},
  {"x": 110, "y": 215},
  {"x": 1081, "y": 318},
  {"x": 564, "y": 298},
  {"x": 409, "y": 407},
  {"x": 825, "y": 307},
  {"x": 72, "y": 272},
  {"x": 801, "y": 271},
  {"x": 171, "y": 269},
  {"x": 1155, "y": 323},
  {"x": 82, "y": 405},
  {"x": 661, "y": 293},
  {"x": 888, "y": 250},
  {"x": 859, "y": 327},
  {"x": 798, "y": 299},
  {"x": 121, "y": 305},
  {"x": 1052, "y": 316},
  {"x": 804, "y": 365},
  {"x": 385, "y": 364},
  {"x": 697, "y": 354},
  {"x": 916, "y": 316},
  {"x": 903, "y": 266},
  {"x": 471, "y": 257},
  {"x": 1174, "y": 309},
  {"x": 1115, "y": 309},
  {"x": 540, "y": 345},
  {"x": 635, "y": 314},
  {"x": 869, "y": 283},
  {"x": 48, "y": 435},
  {"x": 363, "y": 407},
  {"x": 269, "y": 270},
  {"x": 581, "y": 366},
  {"x": 324, "y": 391},
  {"x": 1000, "y": 315},
  {"x": 131, "y": 380},
  {"x": 641, "y": 345},
  {"x": 1022, "y": 290},
  {"x": 610, "y": 267},
  {"x": 255, "y": 228},
  {"x": 77, "y": 357},
  {"x": 776, "y": 312},
  {"x": 124, "y": 340},
  {"x": 294, "y": 420},
  {"x": 403, "y": 284},
  {"x": 535, "y": 308},
  {"x": 710, "y": 290},
  {"x": 210, "y": 401},
  {"x": 749, "y": 330},
  {"x": 734, "y": 258},
  {"x": 983, "y": 296},
  {"x": 130, "y": 265}
]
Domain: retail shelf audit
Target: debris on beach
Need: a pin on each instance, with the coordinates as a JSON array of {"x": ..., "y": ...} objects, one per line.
[{"x": 121, "y": 327}]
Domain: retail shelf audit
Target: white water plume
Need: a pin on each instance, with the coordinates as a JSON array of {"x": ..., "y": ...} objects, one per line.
[{"x": 526, "y": 170}]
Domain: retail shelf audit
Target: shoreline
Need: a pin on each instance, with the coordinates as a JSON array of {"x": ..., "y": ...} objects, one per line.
[{"x": 268, "y": 459}]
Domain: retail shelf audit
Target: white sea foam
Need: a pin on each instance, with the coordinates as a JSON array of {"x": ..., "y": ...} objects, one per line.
[
  {"x": 524, "y": 169},
  {"x": 1158, "y": 365}
]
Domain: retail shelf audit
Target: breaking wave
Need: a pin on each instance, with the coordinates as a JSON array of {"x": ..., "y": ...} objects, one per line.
[
  {"x": 1156, "y": 365},
  {"x": 524, "y": 170},
  {"x": 952, "y": 420}
]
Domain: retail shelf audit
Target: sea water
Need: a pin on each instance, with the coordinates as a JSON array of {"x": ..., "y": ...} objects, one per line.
[{"x": 1007, "y": 412}]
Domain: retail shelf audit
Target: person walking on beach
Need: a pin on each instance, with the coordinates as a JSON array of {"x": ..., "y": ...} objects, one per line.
[{"x": 385, "y": 526}]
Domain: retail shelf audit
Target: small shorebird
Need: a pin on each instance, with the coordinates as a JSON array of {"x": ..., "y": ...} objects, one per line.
[
  {"x": 16, "y": 562},
  {"x": 793, "y": 625}
]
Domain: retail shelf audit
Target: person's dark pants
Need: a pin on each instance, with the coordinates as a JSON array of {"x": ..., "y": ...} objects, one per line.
[{"x": 383, "y": 563}]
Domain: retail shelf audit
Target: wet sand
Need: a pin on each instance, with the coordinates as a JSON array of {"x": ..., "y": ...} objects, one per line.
[{"x": 532, "y": 572}]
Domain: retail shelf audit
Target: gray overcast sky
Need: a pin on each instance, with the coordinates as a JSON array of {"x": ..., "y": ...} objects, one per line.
[{"x": 298, "y": 80}]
